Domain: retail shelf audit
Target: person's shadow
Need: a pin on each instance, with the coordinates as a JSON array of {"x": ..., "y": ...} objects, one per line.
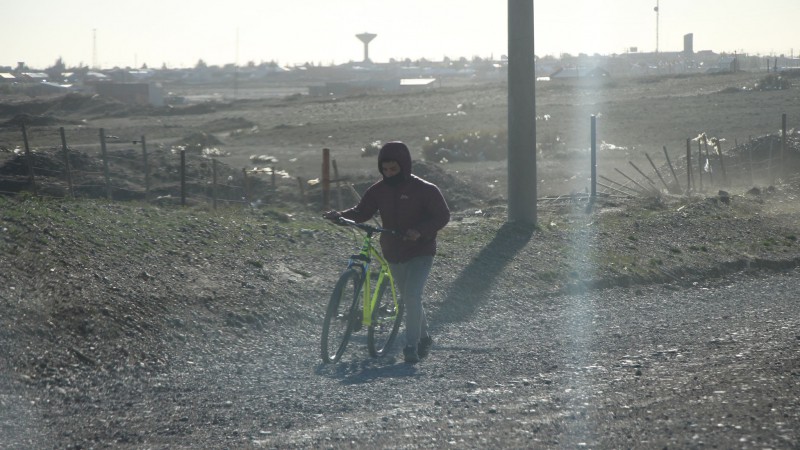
[
  {"x": 364, "y": 371},
  {"x": 469, "y": 290}
]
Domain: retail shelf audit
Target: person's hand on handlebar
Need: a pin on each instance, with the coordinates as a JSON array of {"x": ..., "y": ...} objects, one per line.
[{"x": 411, "y": 235}]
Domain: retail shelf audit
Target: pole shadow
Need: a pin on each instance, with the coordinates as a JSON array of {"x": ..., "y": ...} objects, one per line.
[{"x": 469, "y": 290}]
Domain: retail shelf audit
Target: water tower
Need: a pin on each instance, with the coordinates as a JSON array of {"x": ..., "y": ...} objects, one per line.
[{"x": 366, "y": 38}]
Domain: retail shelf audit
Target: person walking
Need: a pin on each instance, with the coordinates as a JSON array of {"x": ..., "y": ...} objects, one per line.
[{"x": 416, "y": 209}]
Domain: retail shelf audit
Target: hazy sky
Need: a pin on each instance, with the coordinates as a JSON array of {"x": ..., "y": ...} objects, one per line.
[{"x": 179, "y": 33}]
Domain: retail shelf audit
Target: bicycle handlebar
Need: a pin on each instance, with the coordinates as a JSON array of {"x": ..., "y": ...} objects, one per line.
[{"x": 366, "y": 227}]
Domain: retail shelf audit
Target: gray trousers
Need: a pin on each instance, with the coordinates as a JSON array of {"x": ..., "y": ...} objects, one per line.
[{"x": 410, "y": 278}]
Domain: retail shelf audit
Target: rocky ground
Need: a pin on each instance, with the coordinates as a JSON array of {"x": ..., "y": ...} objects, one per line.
[
  {"x": 645, "y": 321},
  {"x": 635, "y": 325}
]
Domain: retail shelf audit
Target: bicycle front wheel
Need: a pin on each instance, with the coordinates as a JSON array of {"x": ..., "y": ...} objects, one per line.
[
  {"x": 386, "y": 318},
  {"x": 339, "y": 317}
]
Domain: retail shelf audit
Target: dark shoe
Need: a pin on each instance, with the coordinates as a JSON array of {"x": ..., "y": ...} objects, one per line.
[
  {"x": 424, "y": 347},
  {"x": 410, "y": 354}
]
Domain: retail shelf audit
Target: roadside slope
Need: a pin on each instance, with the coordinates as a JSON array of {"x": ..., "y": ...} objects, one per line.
[{"x": 101, "y": 300}]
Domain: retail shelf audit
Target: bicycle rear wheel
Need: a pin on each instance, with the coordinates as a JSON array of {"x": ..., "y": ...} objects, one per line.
[
  {"x": 339, "y": 317},
  {"x": 386, "y": 318}
]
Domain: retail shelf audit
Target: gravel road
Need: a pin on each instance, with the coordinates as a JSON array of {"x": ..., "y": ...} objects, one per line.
[{"x": 713, "y": 365}]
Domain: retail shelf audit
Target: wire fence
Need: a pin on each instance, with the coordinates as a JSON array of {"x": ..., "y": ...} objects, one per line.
[
  {"x": 706, "y": 167},
  {"x": 765, "y": 159},
  {"x": 119, "y": 169}
]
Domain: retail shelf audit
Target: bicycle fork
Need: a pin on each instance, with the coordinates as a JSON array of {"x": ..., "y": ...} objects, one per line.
[{"x": 369, "y": 298}]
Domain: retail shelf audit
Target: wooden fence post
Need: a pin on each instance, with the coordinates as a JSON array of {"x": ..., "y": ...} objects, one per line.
[
  {"x": 146, "y": 170},
  {"x": 214, "y": 182},
  {"x": 653, "y": 185},
  {"x": 700, "y": 164},
  {"x": 67, "y": 170},
  {"x": 783, "y": 145},
  {"x": 688, "y": 165},
  {"x": 750, "y": 160},
  {"x": 718, "y": 149},
  {"x": 246, "y": 186},
  {"x": 620, "y": 185},
  {"x": 104, "y": 152},
  {"x": 28, "y": 158},
  {"x": 666, "y": 186},
  {"x": 710, "y": 166},
  {"x": 183, "y": 177},
  {"x": 672, "y": 169},
  {"x": 769, "y": 163},
  {"x": 302, "y": 189},
  {"x": 612, "y": 188},
  {"x": 326, "y": 178},
  {"x": 644, "y": 189},
  {"x": 338, "y": 185},
  {"x": 594, "y": 158}
]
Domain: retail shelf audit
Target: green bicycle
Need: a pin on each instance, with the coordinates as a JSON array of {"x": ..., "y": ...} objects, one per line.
[{"x": 380, "y": 311}]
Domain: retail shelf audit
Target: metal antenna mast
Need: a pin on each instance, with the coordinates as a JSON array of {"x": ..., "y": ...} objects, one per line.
[
  {"x": 236, "y": 68},
  {"x": 94, "y": 48},
  {"x": 657, "y": 20}
]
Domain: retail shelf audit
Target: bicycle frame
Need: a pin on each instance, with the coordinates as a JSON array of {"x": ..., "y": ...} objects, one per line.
[
  {"x": 362, "y": 260},
  {"x": 379, "y": 314}
]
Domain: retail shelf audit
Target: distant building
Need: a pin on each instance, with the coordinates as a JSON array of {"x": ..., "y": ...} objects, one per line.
[
  {"x": 47, "y": 87},
  {"x": 35, "y": 77},
  {"x": 96, "y": 76},
  {"x": 411, "y": 83},
  {"x": 578, "y": 72},
  {"x": 688, "y": 45},
  {"x": 132, "y": 93},
  {"x": 365, "y": 86}
]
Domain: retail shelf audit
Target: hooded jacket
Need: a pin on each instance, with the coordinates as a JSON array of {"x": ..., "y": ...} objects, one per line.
[{"x": 411, "y": 204}]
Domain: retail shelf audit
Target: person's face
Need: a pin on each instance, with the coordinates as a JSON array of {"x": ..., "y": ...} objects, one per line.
[{"x": 390, "y": 168}]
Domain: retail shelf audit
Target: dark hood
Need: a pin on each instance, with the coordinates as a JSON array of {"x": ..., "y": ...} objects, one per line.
[{"x": 396, "y": 151}]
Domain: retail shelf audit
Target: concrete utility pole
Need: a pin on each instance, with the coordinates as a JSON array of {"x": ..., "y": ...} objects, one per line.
[{"x": 521, "y": 114}]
